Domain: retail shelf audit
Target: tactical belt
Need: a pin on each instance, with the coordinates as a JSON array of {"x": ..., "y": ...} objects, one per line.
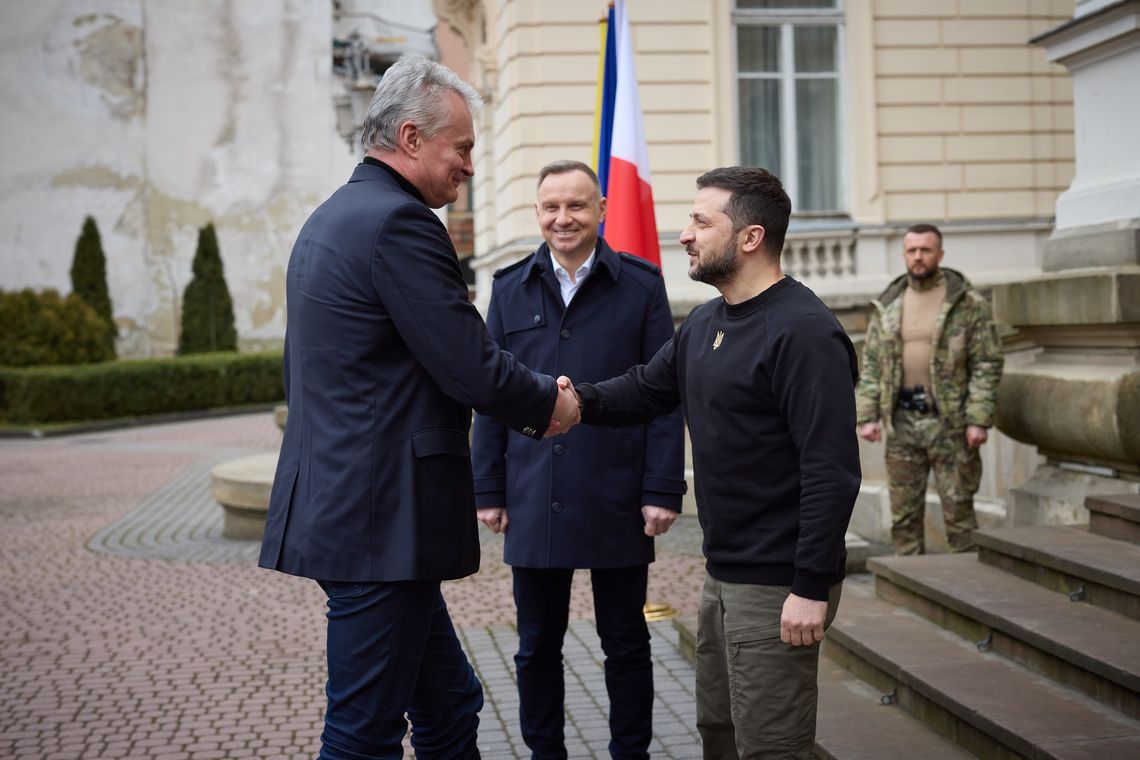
[{"x": 917, "y": 399}]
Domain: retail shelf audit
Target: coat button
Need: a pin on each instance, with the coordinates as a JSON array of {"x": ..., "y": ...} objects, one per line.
[
  {"x": 559, "y": 448},
  {"x": 556, "y": 506},
  {"x": 565, "y": 333},
  {"x": 537, "y": 318}
]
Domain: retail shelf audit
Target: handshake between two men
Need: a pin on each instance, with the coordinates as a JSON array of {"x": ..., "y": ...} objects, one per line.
[
  {"x": 567, "y": 414},
  {"x": 567, "y": 409}
]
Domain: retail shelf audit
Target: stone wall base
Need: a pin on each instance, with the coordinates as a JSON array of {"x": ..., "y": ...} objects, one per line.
[{"x": 1055, "y": 495}]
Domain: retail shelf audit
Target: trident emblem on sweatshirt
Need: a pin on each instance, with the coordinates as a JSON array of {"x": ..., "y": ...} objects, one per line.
[{"x": 719, "y": 338}]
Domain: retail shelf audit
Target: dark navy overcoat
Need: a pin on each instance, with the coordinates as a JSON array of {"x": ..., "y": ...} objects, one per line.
[
  {"x": 575, "y": 500},
  {"x": 384, "y": 359}
]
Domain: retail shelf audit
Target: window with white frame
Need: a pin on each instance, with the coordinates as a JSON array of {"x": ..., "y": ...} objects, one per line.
[{"x": 788, "y": 58}]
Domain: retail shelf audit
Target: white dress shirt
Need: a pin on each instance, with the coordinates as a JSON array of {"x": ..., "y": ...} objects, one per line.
[{"x": 570, "y": 288}]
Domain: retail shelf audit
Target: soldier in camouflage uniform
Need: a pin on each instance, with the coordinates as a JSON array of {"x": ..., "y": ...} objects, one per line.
[{"x": 929, "y": 380}]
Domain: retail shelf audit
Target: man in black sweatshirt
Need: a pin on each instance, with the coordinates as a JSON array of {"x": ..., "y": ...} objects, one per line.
[{"x": 765, "y": 376}]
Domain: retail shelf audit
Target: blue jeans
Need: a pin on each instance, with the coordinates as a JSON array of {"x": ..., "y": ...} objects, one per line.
[
  {"x": 392, "y": 650},
  {"x": 542, "y": 597}
]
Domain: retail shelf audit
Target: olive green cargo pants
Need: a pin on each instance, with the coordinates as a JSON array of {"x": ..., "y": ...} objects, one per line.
[{"x": 756, "y": 695}]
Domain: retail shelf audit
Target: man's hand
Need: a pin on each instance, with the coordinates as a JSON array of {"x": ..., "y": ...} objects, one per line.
[
  {"x": 801, "y": 623},
  {"x": 494, "y": 518},
  {"x": 976, "y": 436},
  {"x": 566, "y": 412},
  {"x": 657, "y": 519},
  {"x": 565, "y": 384},
  {"x": 871, "y": 431}
]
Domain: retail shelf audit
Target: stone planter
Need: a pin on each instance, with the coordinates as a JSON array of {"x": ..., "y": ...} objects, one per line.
[{"x": 242, "y": 487}]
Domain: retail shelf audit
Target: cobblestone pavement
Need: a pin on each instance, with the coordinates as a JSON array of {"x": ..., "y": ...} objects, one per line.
[{"x": 129, "y": 627}]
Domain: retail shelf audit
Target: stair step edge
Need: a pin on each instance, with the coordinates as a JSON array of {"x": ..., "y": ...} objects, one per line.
[
  {"x": 1025, "y": 544},
  {"x": 1097, "y": 654},
  {"x": 854, "y": 725},
  {"x": 997, "y": 718},
  {"x": 1123, "y": 506}
]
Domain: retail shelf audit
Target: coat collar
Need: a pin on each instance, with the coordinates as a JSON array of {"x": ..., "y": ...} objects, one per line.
[
  {"x": 604, "y": 260},
  {"x": 373, "y": 170}
]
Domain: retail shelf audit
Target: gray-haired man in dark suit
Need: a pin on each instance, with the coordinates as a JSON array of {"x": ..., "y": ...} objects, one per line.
[{"x": 385, "y": 358}]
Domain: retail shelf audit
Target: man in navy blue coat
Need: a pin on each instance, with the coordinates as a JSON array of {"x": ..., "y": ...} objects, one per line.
[
  {"x": 384, "y": 359},
  {"x": 593, "y": 498}
]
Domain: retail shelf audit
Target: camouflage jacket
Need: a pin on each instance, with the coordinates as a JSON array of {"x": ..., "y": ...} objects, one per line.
[{"x": 965, "y": 363}]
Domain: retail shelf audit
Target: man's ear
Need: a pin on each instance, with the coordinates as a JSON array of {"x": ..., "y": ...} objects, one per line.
[
  {"x": 602, "y": 209},
  {"x": 753, "y": 238},
  {"x": 408, "y": 138}
]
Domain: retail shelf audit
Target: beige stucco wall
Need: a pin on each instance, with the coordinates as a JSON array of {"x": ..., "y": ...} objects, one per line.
[
  {"x": 539, "y": 68},
  {"x": 950, "y": 116},
  {"x": 973, "y": 122}
]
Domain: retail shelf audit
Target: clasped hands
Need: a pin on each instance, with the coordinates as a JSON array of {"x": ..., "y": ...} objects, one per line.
[{"x": 567, "y": 412}]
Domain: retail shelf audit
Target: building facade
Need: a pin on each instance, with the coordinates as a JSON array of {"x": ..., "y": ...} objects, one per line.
[
  {"x": 158, "y": 117},
  {"x": 876, "y": 113}
]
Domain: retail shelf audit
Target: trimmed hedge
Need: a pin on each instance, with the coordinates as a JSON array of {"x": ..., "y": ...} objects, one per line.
[
  {"x": 139, "y": 387},
  {"x": 42, "y": 327}
]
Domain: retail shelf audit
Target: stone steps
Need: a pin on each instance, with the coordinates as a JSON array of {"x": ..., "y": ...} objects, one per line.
[
  {"x": 1029, "y": 649},
  {"x": 989, "y": 706},
  {"x": 855, "y": 724},
  {"x": 1086, "y": 647},
  {"x": 1116, "y": 517},
  {"x": 1097, "y": 569}
]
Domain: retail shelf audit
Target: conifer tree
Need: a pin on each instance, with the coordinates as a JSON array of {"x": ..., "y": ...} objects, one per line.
[
  {"x": 207, "y": 309},
  {"x": 89, "y": 278}
]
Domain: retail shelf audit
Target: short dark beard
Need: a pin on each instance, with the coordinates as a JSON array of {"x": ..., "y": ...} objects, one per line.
[
  {"x": 721, "y": 269},
  {"x": 928, "y": 275}
]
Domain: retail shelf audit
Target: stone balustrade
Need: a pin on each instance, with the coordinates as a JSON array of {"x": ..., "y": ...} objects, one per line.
[{"x": 820, "y": 256}]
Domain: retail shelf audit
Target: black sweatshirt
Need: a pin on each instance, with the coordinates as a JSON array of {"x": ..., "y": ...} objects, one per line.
[{"x": 767, "y": 388}]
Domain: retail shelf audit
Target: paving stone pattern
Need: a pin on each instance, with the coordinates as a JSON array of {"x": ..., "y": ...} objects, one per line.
[{"x": 130, "y": 628}]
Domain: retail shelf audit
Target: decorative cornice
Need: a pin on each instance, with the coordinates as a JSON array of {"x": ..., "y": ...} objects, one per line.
[{"x": 464, "y": 16}]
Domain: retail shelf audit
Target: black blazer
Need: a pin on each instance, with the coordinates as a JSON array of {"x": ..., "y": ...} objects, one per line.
[{"x": 384, "y": 359}]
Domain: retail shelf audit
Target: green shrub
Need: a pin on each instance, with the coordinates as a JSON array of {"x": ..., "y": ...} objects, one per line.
[
  {"x": 139, "y": 387},
  {"x": 89, "y": 278},
  {"x": 43, "y": 328},
  {"x": 207, "y": 309}
]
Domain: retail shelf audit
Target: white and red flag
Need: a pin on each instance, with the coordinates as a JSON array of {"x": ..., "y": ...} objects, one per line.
[{"x": 630, "y": 223}]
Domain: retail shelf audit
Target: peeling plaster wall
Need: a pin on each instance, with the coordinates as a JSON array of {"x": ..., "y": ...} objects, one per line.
[{"x": 155, "y": 118}]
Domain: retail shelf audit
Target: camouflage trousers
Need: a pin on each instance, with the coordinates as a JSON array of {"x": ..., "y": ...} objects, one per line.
[{"x": 917, "y": 445}]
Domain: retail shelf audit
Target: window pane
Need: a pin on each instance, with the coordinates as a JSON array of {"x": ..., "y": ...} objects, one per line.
[
  {"x": 815, "y": 48},
  {"x": 785, "y": 4},
  {"x": 758, "y": 48},
  {"x": 760, "y": 123},
  {"x": 817, "y": 136}
]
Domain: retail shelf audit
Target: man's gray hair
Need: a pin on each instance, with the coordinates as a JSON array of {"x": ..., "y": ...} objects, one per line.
[{"x": 412, "y": 90}]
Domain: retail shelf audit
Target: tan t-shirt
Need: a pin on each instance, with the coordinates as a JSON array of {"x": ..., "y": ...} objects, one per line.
[{"x": 919, "y": 313}]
